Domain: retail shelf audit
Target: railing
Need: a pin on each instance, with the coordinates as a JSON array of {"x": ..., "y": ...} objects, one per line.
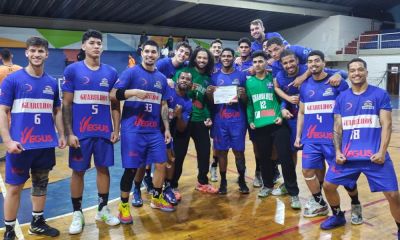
[{"x": 379, "y": 41}]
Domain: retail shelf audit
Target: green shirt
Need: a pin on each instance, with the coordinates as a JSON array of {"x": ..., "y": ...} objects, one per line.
[
  {"x": 263, "y": 105},
  {"x": 170, "y": 42},
  {"x": 200, "y": 111}
]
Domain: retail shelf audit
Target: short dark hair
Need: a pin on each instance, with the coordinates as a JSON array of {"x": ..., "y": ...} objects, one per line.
[
  {"x": 151, "y": 43},
  {"x": 37, "y": 41},
  {"x": 130, "y": 54},
  {"x": 317, "y": 53},
  {"x": 91, "y": 33},
  {"x": 356, "y": 60},
  {"x": 216, "y": 41},
  {"x": 259, "y": 53},
  {"x": 210, "y": 65},
  {"x": 229, "y": 49},
  {"x": 5, "y": 54},
  {"x": 275, "y": 40},
  {"x": 244, "y": 40},
  {"x": 185, "y": 45},
  {"x": 288, "y": 52},
  {"x": 186, "y": 72}
]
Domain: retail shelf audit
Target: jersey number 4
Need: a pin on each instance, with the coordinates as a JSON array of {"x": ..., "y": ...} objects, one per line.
[{"x": 319, "y": 118}]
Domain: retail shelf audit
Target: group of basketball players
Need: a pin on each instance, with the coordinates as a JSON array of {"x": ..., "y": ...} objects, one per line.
[{"x": 286, "y": 99}]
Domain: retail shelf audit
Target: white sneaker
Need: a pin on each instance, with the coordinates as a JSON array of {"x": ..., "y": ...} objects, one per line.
[
  {"x": 214, "y": 174},
  {"x": 310, "y": 202},
  {"x": 78, "y": 221},
  {"x": 316, "y": 210},
  {"x": 279, "y": 191},
  {"x": 105, "y": 216}
]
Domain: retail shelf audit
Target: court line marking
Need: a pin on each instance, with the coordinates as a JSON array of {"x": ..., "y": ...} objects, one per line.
[{"x": 17, "y": 228}]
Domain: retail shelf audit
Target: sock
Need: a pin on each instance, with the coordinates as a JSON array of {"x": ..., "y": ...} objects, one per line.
[
  {"x": 157, "y": 192},
  {"x": 398, "y": 227},
  {"x": 124, "y": 200},
  {"x": 77, "y": 204},
  {"x": 103, "y": 200},
  {"x": 148, "y": 172},
  {"x": 168, "y": 182},
  {"x": 241, "y": 175},
  {"x": 215, "y": 162},
  {"x": 336, "y": 211},
  {"x": 223, "y": 175},
  {"x": 10, "y": 225},
  {"x": 37, "y": 218},
  {"x": 319, "y": 199},
  {"x": 354, "y": 199},
  {"x": 137, "y": 185},
  {"x": 320, "y": 186},
  {"x": 258, "y": 164}
]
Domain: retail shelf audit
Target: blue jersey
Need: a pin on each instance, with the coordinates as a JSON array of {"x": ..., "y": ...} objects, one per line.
[
  {"x": 142, "y": 116},
  {"x": 319, "y": 99},
  {"x": 175, "y": 99},
  {"x": 236, "y": 111},
  {"x": 360, "y": 121},
  {"x": 166, "y": 67},
  {"x": 31, "y": 101},
  {"x": 259, "y": 46},
  {"x": 218, "y": 66},
  {"x": 91, "y": 104},
  {"x": 245, "y": 65},
  {"x": 301, "y": 53}
]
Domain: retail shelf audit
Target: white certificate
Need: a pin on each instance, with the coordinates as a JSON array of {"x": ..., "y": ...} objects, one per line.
[{"x": 226, "y": 94}]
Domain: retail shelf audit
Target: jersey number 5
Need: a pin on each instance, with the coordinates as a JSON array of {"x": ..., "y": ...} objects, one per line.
[{"x": 95, "y": 109}]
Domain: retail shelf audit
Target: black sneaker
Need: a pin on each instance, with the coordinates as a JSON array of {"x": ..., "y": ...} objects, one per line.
[
  {"x": 243, "y": 187},
  {"x": 223, "y": 188},
  {"x": 148, "y": 184},
  {"x": 9, "y": 235},
  {"x": 43, "y": 229}
]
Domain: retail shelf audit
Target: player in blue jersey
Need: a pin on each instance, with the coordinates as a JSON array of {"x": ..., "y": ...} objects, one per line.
[
  {"x": 314, "y": 131},
  {"x": 169, "y": 66},
  {"x": 361, "y": 135},
  {"x": 216, "y": 50},
  {"x": 144, "y": 90},
  {"x": 257, "y": 32},
  {"x": 88, "y": 126},
  {"x": 229, "y": 120},
  {"x": 32, "y": 97}
]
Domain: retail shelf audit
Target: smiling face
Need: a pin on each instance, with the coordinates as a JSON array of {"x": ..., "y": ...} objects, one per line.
[
  {"x": 256, "y": 31},
  {"x": 36, "y": 55},
  {"x": 216, "y": 49},
  {"x": 185, "y": 81},
  {"x": 150, "y": 55},
  {"x": 182, "y": 54},
  {"x": 290, "y": 64},
  {"x": 227, "y": 59},
  {"x": 357, "y": 73},
  {"x": 201, "y": 60},
  {"x": 315, "y": 64},
  {"x": 93, "y": 47}
]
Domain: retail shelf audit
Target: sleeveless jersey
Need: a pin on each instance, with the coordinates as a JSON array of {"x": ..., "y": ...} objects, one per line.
[
  {"x": 32, "y": 101},
  {"x": 360, "y": 121},
  {"x": 91, "y": 104},
  {"x": 142, "y": 116},
  {"x": 319, "y": 99}
]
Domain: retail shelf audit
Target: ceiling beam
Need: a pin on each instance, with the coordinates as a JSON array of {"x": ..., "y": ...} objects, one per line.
[
  {"x": 172, "y": 13},
  {"x": 309, "y": 4},
  {"x": 266, "y": 7}
]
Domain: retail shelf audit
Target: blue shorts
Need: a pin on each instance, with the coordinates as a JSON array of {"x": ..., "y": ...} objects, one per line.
[
  {"x": 102, "y": 150},
  {"x": 293, "y": 128},
  {"x": 252, "y": 133},
  {"x": 381, "y": 178},
  {"x": 139, "y": 149},
  {"x": 18, "y": 165},
  {"x": 229, "y": 135},
  {"x": 314, "y": 155}
]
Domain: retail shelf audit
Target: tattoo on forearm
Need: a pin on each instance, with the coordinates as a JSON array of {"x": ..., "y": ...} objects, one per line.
[
  {"x": 67, "y": 119},
  {"x": 164, "y": 115},
  {"x": 337, "y": 133}
]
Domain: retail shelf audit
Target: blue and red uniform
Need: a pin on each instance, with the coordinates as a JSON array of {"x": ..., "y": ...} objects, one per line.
[
  {"x": 258, "y": 46},
  {"x": 141, "y": 139},
  {"x": 229, "y": 119},
  {"x": 301, "y": 53},
  {"x": 318, "y": 99},
  {"x": 361, "y": 139},
  {"x": 31, "y": 100},
  {"x": 166, "y": 67},
  {"x": 91, "y": 121}
]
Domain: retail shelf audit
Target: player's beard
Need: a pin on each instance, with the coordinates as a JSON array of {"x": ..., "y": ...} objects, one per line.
[
  {"x": 186, "y": 88},
  {"x": 201, "y": 68}
]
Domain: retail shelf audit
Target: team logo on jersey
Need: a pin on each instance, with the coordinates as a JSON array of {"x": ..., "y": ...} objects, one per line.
[
  {"x": 104, "y": 82},
  {"x": 143, "y": 81},
  {"x": 367, "y": 105},
  {"x": 310, "y": 93},
  {"x": 84, "y": 125},
  {"x": 28, "y": 137},
  {"x": 349, "y": 106},
  {"x": 270, "y": 85},
  {"x": 84, "y": 80},
  {"x": 158, "y": 85},
  {"x": 48, "y": 90},
  {"x": 286, "y": 88},
  {"x": 26, "y": 88},
  {"x": 221, "y": 82},
  {"x": 1, "y": 93},
  {"x": 328, "y": 92},
  {"x": 305, "y": 52},
  {"x": 171, "y": 99},
  {"x": 236, "y": 81}
]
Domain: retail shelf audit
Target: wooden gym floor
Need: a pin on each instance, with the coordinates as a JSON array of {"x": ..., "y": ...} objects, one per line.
[{"x": 208, "y": 216}]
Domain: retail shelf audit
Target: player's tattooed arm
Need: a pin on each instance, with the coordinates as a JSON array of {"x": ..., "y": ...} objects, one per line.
[
  {"x": 67, "y": 112},
  {"x": 337, "y": 133},
  {"x": 164, "y": 114}
]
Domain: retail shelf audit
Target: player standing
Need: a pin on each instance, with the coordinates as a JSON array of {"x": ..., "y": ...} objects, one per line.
[
  {"x": 32, "y": 97},
  {"x": 88, "y": 126}
]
